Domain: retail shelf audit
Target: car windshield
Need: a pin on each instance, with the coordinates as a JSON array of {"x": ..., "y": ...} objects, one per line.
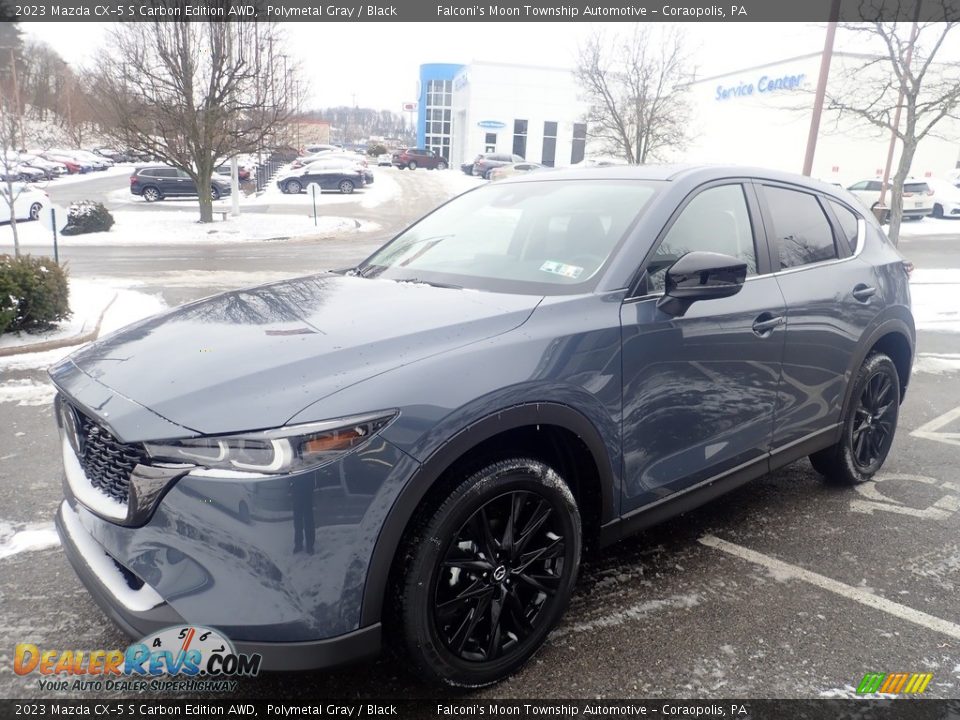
[{"x": 549, "y": 237}]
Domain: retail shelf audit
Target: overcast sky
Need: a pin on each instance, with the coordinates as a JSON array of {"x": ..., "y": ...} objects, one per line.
[{"x": 376, "y": 64}]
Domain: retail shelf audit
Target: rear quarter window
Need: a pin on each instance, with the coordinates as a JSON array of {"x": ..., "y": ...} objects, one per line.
[{"x": 848, "y": 223}]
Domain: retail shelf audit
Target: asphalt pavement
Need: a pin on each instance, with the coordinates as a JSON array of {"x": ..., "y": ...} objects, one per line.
[{"x": 785, "y": 588}]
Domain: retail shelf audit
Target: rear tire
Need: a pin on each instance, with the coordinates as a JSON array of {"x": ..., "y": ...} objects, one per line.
[
  {"x": 488, "y": 573},
  {"x": 292, "y": 187},
  {"x": 869, "y": 427},
  {"x": 214, "y": 194},
  {"x": 441, "y": 166},
  {"x": 411, "y": 165},
  {"x": 346, "y": 186},
  {"x": 938, "y": 211},
  {"x": 35, "y": 211},
  {"x": 151, "y": 194}
]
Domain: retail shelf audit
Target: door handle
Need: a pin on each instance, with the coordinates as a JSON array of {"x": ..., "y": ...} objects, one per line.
[
  {"x": 766, "y": 322},
  {"x": 864, "y": 292}
]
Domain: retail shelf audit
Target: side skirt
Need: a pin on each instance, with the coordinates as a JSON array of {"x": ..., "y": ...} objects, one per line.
[{"x": 701, "y": 493}]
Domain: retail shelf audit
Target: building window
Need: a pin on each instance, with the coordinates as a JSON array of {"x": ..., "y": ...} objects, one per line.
[
  {"x": 520, "y": 138},
  {"x": 549, "y": 143},
  {"x": 579, "y": 143},
  {"x": 490, "y": 142},
  {"x": 437, "y": 130}
]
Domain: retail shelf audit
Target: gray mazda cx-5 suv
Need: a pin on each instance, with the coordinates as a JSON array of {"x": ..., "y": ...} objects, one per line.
[{"x": 426, "y": 442}]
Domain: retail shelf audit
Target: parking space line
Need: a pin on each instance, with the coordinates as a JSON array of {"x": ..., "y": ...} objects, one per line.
[{"x": 783, "y": 569}]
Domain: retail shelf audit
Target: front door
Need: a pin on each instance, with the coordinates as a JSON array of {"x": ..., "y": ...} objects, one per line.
[{"x": 699, "y": 390}]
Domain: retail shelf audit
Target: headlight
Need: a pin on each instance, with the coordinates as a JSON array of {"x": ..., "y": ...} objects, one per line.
[{"x": 284, "y": 450}]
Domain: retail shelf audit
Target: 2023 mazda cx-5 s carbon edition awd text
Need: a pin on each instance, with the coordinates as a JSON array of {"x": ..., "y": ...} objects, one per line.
[{"x": 426, "y": 442}]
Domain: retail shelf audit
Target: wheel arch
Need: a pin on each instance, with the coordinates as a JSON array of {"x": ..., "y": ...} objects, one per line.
[
  {"x": 895, "y": 336},
  {"x": 470, "y": 445}
]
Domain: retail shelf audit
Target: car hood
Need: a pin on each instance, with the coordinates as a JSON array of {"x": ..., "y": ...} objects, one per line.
[{"x": 254, "y": 358}]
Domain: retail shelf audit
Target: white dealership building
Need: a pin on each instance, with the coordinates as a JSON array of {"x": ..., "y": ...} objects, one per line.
[{"x": 759, "y": 115}]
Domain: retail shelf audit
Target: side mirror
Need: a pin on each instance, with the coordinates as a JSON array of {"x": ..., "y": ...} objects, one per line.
[{"x": 701, "y": 276}]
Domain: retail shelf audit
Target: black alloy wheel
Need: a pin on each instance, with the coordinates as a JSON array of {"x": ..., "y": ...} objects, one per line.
[
  {"x": 874, "y": 419},
  {"x": 868, "y": 428},
  {"x": 495, "y": 576}
]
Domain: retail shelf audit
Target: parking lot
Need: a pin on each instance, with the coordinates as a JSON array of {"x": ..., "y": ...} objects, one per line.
[{"x": 785, "y": 588}]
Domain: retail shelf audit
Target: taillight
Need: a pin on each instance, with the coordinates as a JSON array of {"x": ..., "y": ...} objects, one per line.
[
  {"x": 908, "y": 268},
  {"x": 133, "y": 179},
  {"x": 930, "y": 192}
]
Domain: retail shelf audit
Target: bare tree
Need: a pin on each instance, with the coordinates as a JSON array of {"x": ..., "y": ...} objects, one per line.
[
  {"x": 9, "y": 145},
  {"x": 635, "y": 87},
  {"x": 870, "y": 91},
  {"x": 194, "y": 94}
]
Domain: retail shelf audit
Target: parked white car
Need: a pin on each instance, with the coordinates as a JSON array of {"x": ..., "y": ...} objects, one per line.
[
  {"x": 917, "y": 197},
  {"x": 946, "y": 199},
  {"x": 28, "y": 202}
]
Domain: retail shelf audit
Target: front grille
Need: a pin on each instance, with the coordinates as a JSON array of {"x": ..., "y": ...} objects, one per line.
[{"x": 106, "y": 461}]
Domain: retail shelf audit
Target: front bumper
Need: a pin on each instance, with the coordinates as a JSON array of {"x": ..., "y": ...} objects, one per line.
[
  {"x": 277, "y": 563},
  {"x": 137, "y": 616}
]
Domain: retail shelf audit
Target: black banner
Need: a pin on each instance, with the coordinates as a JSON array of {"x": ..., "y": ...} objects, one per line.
[
  {"x": 475, "y": 708},
  {"x": 480, "y": 11}
]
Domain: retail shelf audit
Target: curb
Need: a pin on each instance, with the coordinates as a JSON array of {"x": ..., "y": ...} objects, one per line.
[{"x": 62, "y": 342}]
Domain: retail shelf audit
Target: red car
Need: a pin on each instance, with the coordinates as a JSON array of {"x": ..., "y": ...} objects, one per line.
[{"x": 412, "y": 158}]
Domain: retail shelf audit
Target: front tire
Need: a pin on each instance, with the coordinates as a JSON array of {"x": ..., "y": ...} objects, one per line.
[
  {"x": 489, "y": 573},
  {"x": 292, "y": 187},
  {"x": 214, "y": 194},
  {"x": 441, "y": 166},
  {"x": 869, "y": 427}
]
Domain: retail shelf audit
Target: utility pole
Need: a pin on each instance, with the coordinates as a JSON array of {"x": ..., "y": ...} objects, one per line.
[{"x": 825, "y": 60}]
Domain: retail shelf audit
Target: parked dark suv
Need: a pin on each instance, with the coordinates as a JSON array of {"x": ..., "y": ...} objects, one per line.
[
  {"x": 430, "y": 438},
  {"x": 485, "y": 162},
  {"x": 157, "y": 182},
  {"x": 412, "y": 158}
]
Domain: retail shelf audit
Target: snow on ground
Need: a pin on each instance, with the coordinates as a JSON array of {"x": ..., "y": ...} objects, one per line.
[
  {"x": 78, "y": 178},
  {"x": 930, "y": 226},
  {"x": 172, "y": 227},
  {"x": 88, "y": 298},
  {"x": 937, "y": 363},
  {"x": 936, "y": 299},
  {"x": 455, "y": 181},
  {"x": 26, "y": 392},
  {"x": 23, "y": 537}
]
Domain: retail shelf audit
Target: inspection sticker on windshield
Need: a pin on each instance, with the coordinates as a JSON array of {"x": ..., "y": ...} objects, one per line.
[{"x": 559, "y": 268}]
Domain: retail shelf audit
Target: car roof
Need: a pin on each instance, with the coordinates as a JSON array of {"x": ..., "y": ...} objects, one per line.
[{"x": 695, "y": 174}]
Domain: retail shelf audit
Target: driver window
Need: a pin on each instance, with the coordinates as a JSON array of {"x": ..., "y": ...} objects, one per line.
[{"x": 717, "y": 221}]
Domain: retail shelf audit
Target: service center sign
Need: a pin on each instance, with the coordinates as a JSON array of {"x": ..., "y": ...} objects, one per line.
[{"x": 765, "y": 84}]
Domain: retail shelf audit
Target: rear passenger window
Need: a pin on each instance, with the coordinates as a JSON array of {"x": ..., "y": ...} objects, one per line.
[
  {"x": 848, "y": 224},
  {"x": 801, "y": 227}
]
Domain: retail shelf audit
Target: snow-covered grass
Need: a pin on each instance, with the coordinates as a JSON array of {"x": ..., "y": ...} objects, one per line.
[
  {"x": 172, "y": 227},
  {"x": 936, "y": 299},
  {"x": 88, "y": 298}
]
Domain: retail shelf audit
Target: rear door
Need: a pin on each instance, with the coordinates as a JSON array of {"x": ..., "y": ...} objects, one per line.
[
  {"x": 699, "y": 390},
  {"x": 830, "y": 298}
]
